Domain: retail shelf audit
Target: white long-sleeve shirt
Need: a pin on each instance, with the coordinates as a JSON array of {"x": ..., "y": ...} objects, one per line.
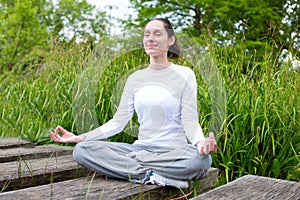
[{"x": 165, "y": 102}]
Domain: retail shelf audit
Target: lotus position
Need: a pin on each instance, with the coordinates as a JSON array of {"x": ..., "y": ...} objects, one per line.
[{"x": 170, "y": 148}]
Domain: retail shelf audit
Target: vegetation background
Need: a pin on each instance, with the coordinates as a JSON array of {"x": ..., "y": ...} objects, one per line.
[{"x": 45, "y": 46}]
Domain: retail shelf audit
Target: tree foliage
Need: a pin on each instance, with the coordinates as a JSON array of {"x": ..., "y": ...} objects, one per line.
[
  {"x": 73, "y": 19},
  {"x": 258, "y": 23},
  {"x": 20, "y": 31},
  {"x": 29, "y": 27}
]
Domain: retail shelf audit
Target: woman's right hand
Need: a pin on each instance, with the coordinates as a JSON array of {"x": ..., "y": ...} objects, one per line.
[{"x": 66, "y": 137}]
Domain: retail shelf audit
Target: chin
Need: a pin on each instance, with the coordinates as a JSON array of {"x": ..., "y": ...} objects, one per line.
[{"x": 154, "y": 53}]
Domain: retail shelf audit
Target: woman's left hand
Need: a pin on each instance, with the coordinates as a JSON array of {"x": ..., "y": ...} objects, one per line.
[{"x": 207, "y": 146}]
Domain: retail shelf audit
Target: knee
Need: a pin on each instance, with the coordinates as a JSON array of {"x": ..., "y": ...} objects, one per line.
[
  {"x": 78, "y": 152},
  {"x": 204, "y": 165},
  {"x": 206, "y": 162},
  {"x": 201, "y": 162}
]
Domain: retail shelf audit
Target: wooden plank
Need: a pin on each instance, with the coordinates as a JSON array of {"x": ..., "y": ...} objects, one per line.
[
  {"x": 207, "y": 182},
  {"x": 101, "y": 188},
  {"x": 6, "y": 143},
  {"x": 14, "y": 154},
  {"x": 43, "y": 172},
  {"x": 82, "y": 188},
  {"x": 252, "y": 187},
  {"x": 25, "y": 173}
]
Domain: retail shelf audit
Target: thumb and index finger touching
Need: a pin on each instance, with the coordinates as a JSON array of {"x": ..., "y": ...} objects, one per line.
[
  {"x": 54, "y": 134},
  {"x": 61, "y": 129}
]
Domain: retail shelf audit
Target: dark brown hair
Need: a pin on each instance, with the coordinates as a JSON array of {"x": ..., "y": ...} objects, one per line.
[{"x": 174, "y": 49}]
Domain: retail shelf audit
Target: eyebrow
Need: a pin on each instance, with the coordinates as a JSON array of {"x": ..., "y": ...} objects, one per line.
[{"x": 153, "y": 29}]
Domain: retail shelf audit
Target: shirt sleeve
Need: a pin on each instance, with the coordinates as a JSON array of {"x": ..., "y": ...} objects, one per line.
[
  {"x": 189, "y": 112},
  {"x": 120, "y": 119}
]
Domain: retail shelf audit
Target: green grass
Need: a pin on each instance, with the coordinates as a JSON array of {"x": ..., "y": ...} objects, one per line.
[{"x": 259, "y": 135}]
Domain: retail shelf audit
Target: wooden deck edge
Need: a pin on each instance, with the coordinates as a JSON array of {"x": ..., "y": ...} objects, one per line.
[
  {"x": 12, "y": 142},
  {"x": 29, "y": 173},
  {"x": 37, "y": 152},
  {"x": 89, "y": 187},
  {"x": 252, "y": 187},
  {"x": 105, "y": 189}
]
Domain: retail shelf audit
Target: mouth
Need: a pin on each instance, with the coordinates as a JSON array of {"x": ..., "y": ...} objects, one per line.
[{"x": 151, "y": 46}]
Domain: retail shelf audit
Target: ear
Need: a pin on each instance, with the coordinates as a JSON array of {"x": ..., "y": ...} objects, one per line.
[{"x": 172, "y": 40}]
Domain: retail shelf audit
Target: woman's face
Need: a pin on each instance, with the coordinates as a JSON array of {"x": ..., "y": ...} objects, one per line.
[{"x": 156, "y": 40}]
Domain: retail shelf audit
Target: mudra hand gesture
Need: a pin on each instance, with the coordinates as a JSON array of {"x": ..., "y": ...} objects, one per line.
[
  {"x": 207, "y": 146},
  {"x": 66, "y": 137}
]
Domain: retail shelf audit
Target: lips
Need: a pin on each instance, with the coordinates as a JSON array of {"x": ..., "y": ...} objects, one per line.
[{"x": 151, "y": 46}]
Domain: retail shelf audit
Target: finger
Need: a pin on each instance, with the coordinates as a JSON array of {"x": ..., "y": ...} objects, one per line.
[
  {"x": 211, "y": 136},
  {"x": 208, "y": 148},
  {"x": 53, "y": 136},
  {"x": 61, "y": 129},
  {"x": 57, "y": 138},
  {"x": 214, "y": 147},
  {"x": 204, "y": 148},
  {"x": 200, "y": 149}
]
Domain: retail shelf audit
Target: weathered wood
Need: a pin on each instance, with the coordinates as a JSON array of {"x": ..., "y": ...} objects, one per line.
[
  {"x": 14, "y": 154},
  {"x": 6, "y": 143},
  {"x": 101, "y": 188},
  {"x": 83, "y": 188},
  {"x": 49, "y": 172},
  {"x": 207, "y": 182},
  {"x": 252, "y": 187},
  {"x": 26, "y": 173}
]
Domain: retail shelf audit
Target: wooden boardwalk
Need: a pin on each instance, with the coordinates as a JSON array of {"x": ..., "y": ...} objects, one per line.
[
  {"x": 28, "y": 171},
  {"x": 252, "y": 187}
]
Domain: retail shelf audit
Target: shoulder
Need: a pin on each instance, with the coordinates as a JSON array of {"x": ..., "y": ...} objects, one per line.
[
  {"x": 184, "y": 71},
  {"x": 136, "y": 76}
]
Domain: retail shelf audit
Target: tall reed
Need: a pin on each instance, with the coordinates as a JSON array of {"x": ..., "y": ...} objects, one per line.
[{"x": 259, "y": 135}]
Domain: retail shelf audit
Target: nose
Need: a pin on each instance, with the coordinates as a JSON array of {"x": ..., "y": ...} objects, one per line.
[{"x": 149, "y": 38}]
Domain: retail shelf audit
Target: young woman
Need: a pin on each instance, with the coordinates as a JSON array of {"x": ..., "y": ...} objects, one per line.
[{"x": 171, "y": 148}]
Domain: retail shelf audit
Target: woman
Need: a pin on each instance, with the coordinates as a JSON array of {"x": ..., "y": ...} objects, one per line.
[{"x": 171, "y": 148}]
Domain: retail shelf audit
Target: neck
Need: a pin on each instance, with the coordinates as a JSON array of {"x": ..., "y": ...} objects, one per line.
[{"x": 159, "y": 63}]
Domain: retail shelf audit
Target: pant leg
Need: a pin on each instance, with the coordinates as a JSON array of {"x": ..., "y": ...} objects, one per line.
[
  {"x": 109, "y": 158},
  {"x": 181, "y": 163},
  {"x": 127, "y": 161}
]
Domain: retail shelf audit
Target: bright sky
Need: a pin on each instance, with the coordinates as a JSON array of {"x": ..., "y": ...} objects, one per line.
[{"x": 117, "y": 8}]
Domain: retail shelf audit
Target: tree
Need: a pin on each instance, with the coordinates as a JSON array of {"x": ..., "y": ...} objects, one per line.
[
  {"x": 258, "y": 23},
  {"x": 29, "y": 26},
  {"x": 20, "y": 31},
  {"x": 74, "y": 19}
]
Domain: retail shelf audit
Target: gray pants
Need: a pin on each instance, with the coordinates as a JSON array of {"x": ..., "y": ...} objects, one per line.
[{"x": 132, "y": 162}]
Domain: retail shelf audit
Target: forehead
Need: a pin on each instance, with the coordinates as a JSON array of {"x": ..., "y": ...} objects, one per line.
[{"x": 155, "y": 25}]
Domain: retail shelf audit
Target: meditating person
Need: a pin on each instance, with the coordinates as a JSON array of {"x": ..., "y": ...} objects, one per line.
[{"x": 171, "y": 148}]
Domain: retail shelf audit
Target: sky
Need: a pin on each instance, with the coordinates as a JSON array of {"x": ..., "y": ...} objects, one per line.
[{"x": 119, "y": 9}]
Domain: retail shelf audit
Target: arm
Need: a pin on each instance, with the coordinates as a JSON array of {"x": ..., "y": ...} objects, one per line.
[
  {"x": 121, "y": 117},
  {"x": 115, "y": 125},
  {"x": 190, "y": 119}
]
